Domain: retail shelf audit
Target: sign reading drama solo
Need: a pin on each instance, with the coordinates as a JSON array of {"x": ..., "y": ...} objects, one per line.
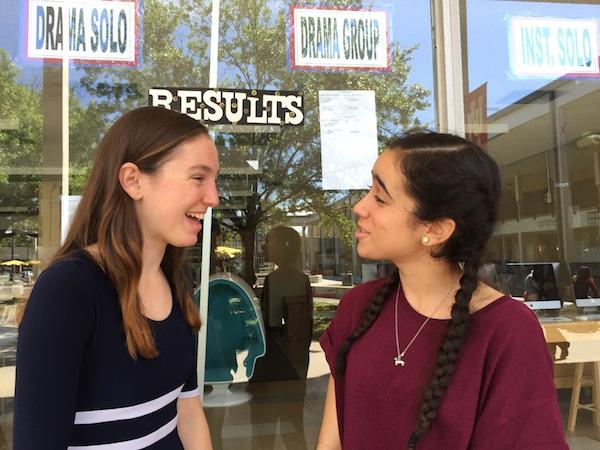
[
  {"x": 92, "y": 30},
  {"x": 339, "y": 39},
  {"x": 232, "y": 106},
  {"x": 550, "y": 47}
]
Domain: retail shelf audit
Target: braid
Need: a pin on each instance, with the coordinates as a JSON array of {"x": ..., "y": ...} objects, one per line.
[
  {"x": 369, "y": 315},
  {"x": 448, "y": 352}
]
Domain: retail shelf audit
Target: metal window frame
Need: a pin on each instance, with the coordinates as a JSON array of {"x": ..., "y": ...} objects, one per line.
[{"x": 450, "y": 75}]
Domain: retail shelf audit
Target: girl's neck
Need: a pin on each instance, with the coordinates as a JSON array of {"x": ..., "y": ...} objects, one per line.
[
  {"x": 152, "y": 257},
  {"x": 426, "y": 284}
]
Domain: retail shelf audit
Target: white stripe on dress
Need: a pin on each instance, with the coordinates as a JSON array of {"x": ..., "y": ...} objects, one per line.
[
  {"x": 189, "y": 394},
  {"x": 127, "y": 412},
  {"x": 133, "y": 444}
]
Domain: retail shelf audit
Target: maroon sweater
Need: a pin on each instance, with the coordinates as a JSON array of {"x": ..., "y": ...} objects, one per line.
[{"x": 501, "y": 395}]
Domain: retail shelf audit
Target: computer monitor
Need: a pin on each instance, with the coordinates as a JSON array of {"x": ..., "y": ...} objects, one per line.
[
  {"x": 534, "y": 284},
  {"x": 587, "y": 296},
  {"x": 585, "y": 303}
]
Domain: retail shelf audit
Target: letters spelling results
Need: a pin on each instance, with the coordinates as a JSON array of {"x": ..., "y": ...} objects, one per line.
[{"x": 232, "y": 106}]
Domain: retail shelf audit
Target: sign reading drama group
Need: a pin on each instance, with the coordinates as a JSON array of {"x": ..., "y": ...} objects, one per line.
[
  {"x": 339, "y": 39},
  {"x": 549, "y": 47},
  {"x": 232, "y": 106},
  {"x": 87, "y": 31}
]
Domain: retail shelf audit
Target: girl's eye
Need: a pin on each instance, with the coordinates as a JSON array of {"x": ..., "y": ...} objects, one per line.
[
  {"x": 198, "y": 178},
  {"x": 378, "y": 199}
]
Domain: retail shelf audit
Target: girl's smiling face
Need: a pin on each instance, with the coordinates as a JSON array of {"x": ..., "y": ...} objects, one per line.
[{"x": 176, "y": 196}]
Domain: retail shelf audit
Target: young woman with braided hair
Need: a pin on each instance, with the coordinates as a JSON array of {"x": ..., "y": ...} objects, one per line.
[{"x": 431, "y": 358}]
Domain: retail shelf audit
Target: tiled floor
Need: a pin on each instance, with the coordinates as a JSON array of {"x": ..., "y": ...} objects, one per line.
[
  {"x": 287, "y": 415},
  {"x": 274, "y": 418},
  {"x": 584, "y": 437},
  {"x": 270, "y": 421}
]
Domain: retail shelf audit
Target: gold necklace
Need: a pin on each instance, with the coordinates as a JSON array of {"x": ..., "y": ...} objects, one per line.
[{"x": 398, "y": 360}]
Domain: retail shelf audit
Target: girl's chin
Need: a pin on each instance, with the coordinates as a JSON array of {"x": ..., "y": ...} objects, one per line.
[
  {"x": 366, "y": 253},
  {"x": 182, "y": 242},
  {"x": 372, "y": 253}
]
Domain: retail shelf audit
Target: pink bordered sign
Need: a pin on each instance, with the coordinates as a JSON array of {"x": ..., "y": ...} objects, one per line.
[
  {"x": 329, "y": 38},
  {"x": 84, "y": 31}
]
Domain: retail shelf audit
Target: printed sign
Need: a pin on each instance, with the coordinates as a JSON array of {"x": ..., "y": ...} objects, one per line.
[
  {"x": 92, "y": 31},
  {"x": 348, "y": 123},
  {"x": 232, "y": 106},
  {"x": 476, "y": 119},
  {"x": 548, "y": 47},
  {"x": 339, "y": 39}
]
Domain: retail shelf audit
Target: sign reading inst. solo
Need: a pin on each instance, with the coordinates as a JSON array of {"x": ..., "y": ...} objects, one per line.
[
  {"x": 232, "y": 106},
  {"x": 338, "y": 39},
  {"x": 551, "y": 47},
  {"x": 92, "y": 31}
]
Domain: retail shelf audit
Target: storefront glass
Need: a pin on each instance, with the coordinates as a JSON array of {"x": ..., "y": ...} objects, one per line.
[
  {"x": 282, "y": 236},
  {"x": 534, "y": 105},
  {"x": 288, "y": 211},
  {"x": 277, "y": 209}
]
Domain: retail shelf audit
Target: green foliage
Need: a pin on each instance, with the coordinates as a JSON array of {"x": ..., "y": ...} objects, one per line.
[
  {"x": 20, "y": 138},
  {"x": 323, "y": 312},
  {"x": 252, "y": 55},
  {"x": 21, "y": 144}
]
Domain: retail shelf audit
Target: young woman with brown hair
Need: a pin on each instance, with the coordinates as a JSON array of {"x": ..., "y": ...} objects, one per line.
[
  {"x": 106, "y": 352},
  {"x": 431, "y": 358}
]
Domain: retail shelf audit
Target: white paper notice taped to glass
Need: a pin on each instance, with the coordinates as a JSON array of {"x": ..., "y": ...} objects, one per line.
[{"x": 348, "y": 138}]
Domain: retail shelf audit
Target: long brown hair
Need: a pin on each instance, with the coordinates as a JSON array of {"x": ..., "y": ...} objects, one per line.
[
  {"x": 106, "y": 215},
  {"x": 447, "y": 176}
]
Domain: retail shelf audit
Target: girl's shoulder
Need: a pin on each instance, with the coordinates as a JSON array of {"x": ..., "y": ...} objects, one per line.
[
  {"x": 70, "y": 279},
  {"x": 66, "y": 294},
  {"x": 75, "y": 268},
  {"x": 508, "y": 320},
  {"x": 359, "y": 297}
]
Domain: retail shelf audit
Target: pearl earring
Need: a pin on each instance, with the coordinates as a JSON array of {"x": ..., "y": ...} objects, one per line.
[{"x": 425, "y": 240}]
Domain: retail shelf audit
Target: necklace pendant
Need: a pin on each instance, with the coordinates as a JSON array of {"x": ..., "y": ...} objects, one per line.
[{"x": 398, "y": 361}]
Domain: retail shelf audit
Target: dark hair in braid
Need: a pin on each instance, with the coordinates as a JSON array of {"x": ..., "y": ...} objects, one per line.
[
  {"x": 369, "y": 315},
  {"x": 448, "y": 177}
]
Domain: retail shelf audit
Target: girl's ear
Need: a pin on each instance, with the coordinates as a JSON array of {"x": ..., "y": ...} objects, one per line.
[
  {"x": 129, "y": 178},
  {"x": 440, "y": 231}
]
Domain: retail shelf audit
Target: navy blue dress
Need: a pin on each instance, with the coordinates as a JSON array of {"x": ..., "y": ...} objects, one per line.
[{"x": 77, "y": 386}]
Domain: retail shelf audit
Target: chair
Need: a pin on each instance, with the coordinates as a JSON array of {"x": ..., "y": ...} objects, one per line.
[
  {"x": 234, "y": 325},
  {"x": 580, "y": 380}
]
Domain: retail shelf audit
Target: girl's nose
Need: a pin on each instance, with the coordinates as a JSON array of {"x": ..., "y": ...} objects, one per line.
[
  {"x": 212, "y": 196},
  {"x": 359, "y": 208}
]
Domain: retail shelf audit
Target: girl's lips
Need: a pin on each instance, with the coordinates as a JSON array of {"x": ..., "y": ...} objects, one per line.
[
  {"x": 360, "y": 233},
  {"x": 195, "y": 222}
]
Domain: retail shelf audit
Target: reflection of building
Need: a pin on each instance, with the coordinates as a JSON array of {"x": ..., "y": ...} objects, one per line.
[
  {"x": 322, "y": 251},
  {"x": 551, "y": 186},
  {"x": 549, "y": 163},
  {"x": 550, "y": 174}
]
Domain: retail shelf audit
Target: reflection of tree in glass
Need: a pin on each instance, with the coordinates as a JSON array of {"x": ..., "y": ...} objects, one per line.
[
  {"x": 252, "y": 55},
  {"x": 20, "y": 140},
  {"x": 21, "y": 135}
]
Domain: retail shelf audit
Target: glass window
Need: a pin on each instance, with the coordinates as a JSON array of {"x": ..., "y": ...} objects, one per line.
[
  {"x": 296, "y": 239},
  {"x": 275, "y": 216},
  {"x": 534, "y": 105}
]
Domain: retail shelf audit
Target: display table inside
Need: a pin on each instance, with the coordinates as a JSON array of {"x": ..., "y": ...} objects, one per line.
[{"x": 575, "y": 348}]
